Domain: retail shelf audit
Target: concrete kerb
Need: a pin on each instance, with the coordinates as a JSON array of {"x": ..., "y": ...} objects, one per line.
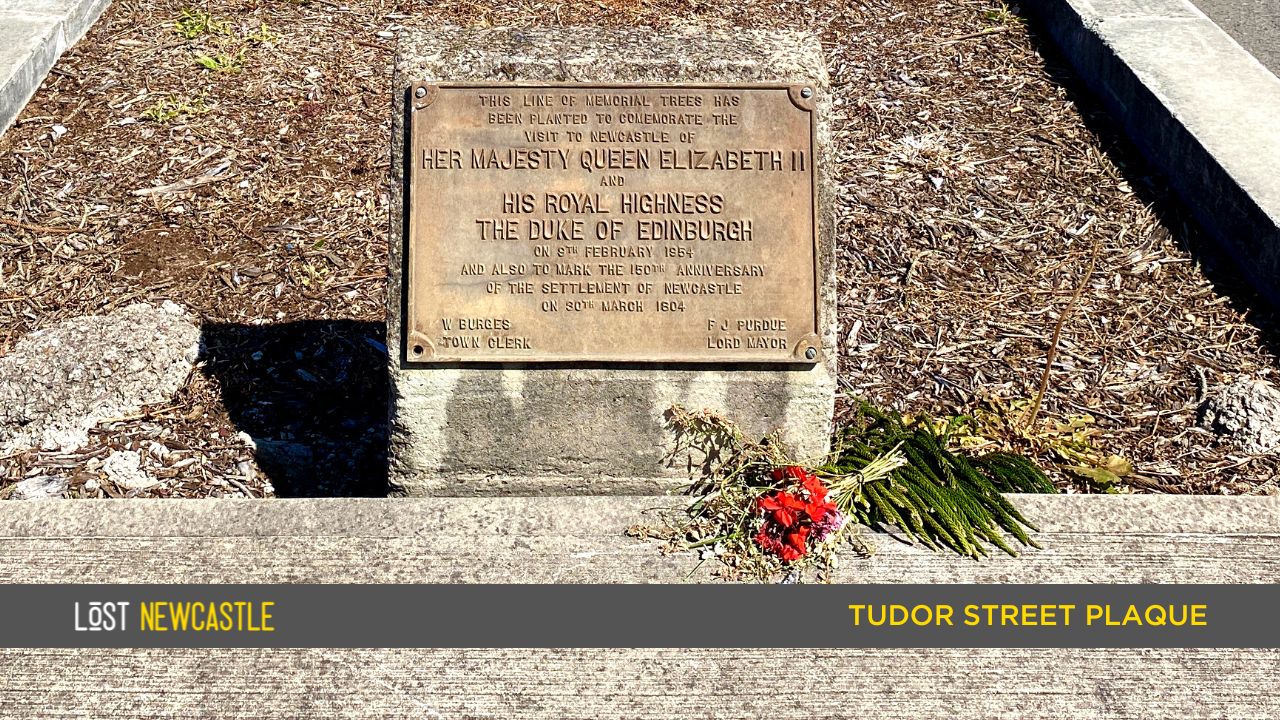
[
  {"x": 1086, "y": 539},
  {"x": 33, "y": 35},
  {"x": 1197, "y": 105}
]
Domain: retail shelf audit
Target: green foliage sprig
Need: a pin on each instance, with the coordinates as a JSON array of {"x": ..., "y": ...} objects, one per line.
[{"x": 936, "y": 497}]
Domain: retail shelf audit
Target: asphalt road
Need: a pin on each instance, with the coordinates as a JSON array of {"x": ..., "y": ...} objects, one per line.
[{"x": 1255, "y": 24}]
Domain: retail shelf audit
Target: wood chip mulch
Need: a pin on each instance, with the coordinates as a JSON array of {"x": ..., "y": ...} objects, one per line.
[{"x": 983, "y": 196}]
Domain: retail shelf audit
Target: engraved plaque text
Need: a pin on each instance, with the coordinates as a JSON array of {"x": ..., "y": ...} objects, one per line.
[{"x": 623, "y": 223}]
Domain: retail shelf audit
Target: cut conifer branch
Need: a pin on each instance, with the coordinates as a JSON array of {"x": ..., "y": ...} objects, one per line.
[{"x": 935, "y": 497}]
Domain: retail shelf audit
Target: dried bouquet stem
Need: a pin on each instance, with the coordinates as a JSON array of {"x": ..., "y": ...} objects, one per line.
[{"x": 1057, "y": 337}]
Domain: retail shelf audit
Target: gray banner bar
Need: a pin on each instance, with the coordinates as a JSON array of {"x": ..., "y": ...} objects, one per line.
[{"x": 703, "y": 616}]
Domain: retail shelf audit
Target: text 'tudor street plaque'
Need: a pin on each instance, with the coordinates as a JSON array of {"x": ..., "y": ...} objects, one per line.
[{"x": 623, "y": 223}]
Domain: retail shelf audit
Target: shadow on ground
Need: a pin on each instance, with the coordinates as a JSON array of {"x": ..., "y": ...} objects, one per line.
[
  {"x": 313, "y": 395},
  {"x": 1152, "y": 188}
]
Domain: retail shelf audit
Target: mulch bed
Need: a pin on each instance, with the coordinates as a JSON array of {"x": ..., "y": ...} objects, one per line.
[{"x": 982, "y": 198}]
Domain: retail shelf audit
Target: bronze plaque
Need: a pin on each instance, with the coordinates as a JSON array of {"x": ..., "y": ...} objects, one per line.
[{"x": 620, "y": 223}]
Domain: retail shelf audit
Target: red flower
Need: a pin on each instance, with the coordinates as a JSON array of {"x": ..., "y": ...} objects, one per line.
[
  {"x": 784, "y": 508},
  {"x": 768, "y": 542},
  {"x": 796, "y": 539},
  {"x": 817, "y": 491},
  {"x": 792, "y": 516}
]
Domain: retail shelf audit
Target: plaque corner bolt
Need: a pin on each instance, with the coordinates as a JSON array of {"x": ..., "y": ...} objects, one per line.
[
  {"x": 420, "y": 348},
  {"x": 803, "y": 96},
  {"x": 423, "y": 96},
  {"x": 807, "y": 349}
]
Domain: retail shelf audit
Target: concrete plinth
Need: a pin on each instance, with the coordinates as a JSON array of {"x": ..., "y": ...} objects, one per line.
[{"x": 598, "y": 428}]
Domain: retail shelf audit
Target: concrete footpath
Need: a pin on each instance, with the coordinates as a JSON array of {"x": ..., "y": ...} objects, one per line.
[
  {"x": 33, "y": 35},
  {"x": 1199, "y": 107}
]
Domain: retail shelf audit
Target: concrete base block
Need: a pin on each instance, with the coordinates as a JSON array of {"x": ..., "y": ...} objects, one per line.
[{"x": 548, "y": 429}]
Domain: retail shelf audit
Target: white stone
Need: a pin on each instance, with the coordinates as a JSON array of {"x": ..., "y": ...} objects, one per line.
[
  {"x": 40, "y": 487},
  {"x": 50, "y": 396},
  {"x": 1248, "y": 412},
  {"x": 124, "y": 468}
]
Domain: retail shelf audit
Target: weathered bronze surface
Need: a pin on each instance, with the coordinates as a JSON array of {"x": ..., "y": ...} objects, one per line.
[{"x": 624, "y": 223}]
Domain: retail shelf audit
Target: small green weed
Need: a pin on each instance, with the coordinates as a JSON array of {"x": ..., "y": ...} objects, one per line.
[
  {"x": 222, "y": 62},
  {"x": 224, "y": 59},
  {"x": 1074, "y": 446},
  {"x": 1002, "y": 15},
  {"x": 264, "y": 35},
  {"x": 192, "y": 24},
  {"x": 169, "y": 108},
  {"x": 313, "y": 275}
]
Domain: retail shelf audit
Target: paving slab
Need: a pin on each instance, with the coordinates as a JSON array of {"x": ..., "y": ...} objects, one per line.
[
  {"x": 29, "y": 46},
  {"x": 1196, "y": 104},
  {"x": 76, "y": 16}
]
